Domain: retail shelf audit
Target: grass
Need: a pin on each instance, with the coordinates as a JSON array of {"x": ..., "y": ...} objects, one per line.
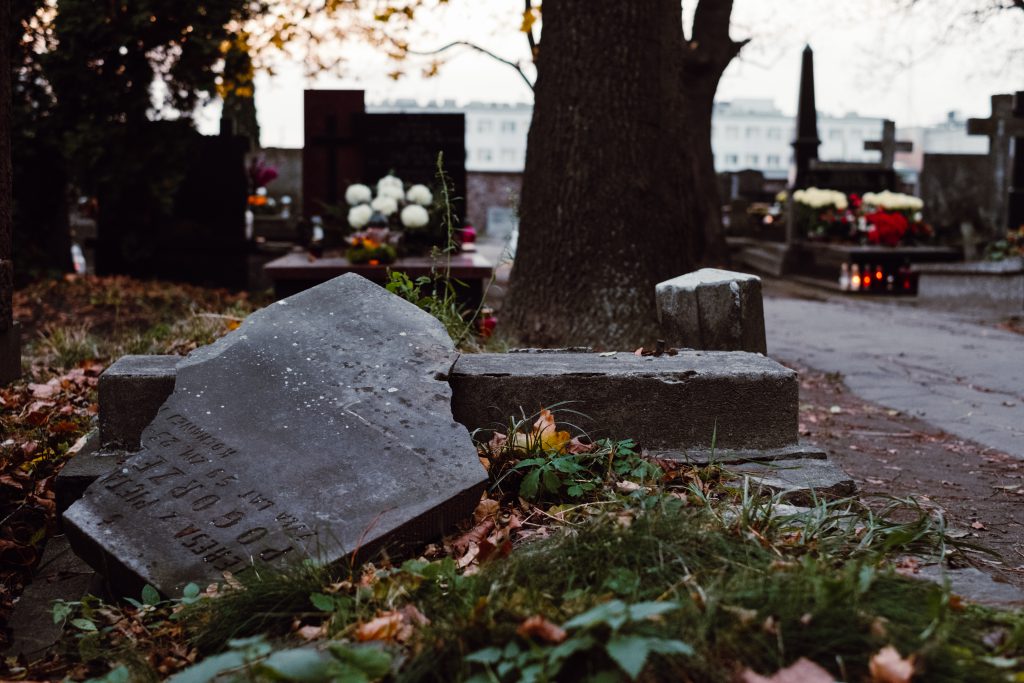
[
  {"x": 650, "y": 571},
  {"x": 739, "y": 595}
]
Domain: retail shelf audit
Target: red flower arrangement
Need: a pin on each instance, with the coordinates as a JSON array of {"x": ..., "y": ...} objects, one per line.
[{"x": 887, "y": 227}]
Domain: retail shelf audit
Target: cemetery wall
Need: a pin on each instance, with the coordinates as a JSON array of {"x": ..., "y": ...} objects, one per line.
[
  {"x": 288, "y": 163},
  {"x": 487, "y": 189}
]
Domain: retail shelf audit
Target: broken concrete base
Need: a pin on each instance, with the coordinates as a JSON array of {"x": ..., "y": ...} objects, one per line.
[
  {"x": 803, "y": 481},
  {"x": 83, "y": 468},
  {"x": 61, "y": 576}
]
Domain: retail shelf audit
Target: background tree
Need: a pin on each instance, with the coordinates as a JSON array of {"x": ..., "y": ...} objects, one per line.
[
  {"x": 89, "y": 79},
  {"x": 619, "y": 182}
]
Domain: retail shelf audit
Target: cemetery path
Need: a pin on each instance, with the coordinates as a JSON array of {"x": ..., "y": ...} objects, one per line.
[
  {"x": 914, "y": 403},
  {"x": 962, "y": 374}
]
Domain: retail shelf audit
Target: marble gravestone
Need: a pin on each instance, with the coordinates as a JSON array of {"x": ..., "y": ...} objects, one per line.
[{"x": 319, "y": 428}]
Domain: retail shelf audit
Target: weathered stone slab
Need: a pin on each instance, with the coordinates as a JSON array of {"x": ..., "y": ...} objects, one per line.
[
  {"x": 321, "y": 427},
  {"x": 800, "y": 481},
  {"x": 131, "y": 390},
  {"x": 668, "y": 403},
  {"x": 713, "y": 309},
  {"x": 975, "y": 585},
  {"x": 996, "y": 285}
]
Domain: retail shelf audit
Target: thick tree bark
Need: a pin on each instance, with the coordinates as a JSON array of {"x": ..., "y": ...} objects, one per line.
[
  {"x": 705, "y": 57},
  {"x": 6, "y": 265},
  {"x": 608, "y": 178}
]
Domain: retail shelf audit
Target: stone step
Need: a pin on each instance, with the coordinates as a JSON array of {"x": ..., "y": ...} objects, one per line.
[{"x": 682, "y": 403}]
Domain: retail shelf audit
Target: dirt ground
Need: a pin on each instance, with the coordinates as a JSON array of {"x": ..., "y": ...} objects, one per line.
[{"x": 979, "y": 491}]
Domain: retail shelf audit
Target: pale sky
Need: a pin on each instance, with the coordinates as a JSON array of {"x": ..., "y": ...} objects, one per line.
[{"x": 869, "y": 57}]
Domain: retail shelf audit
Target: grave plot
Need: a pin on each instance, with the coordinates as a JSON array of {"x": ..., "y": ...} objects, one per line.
[{"x": 320, "y": 427}]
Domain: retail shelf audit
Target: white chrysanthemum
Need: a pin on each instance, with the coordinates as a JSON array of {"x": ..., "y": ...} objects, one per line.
[
  {"x": 420, "y": 194},
  {"x": 414, "y": 216},
  {"x": 893, "y": 201},
  {"x": 390, "y": 184},
  {"x": 359, "y": 215},
  {"x": 384, "y": 204},
  {"x": 358, "y": 194},
  {"x": 392, "y": 192},
  {"x": 817, "y": 198}
]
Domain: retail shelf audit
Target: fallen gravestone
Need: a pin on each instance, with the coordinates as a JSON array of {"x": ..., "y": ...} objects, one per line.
[
  {"x": 717, "y": 310},
  {"x": 321, "y": 427}
]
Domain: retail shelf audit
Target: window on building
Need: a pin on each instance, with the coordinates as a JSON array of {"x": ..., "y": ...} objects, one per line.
[
  {"x": 835, "y": 134},
  {"x": 484, "y": 126},
  {"x": 732, "y": 132},
  {"x": 731, "y": 159},
  {"x": 753, "y": 132},
  {"x": 774, "y": 133},
  {"x": 484, "y": 154},
  {"x": 774, "y": 161},
  {"x": 753, "y": 159},
  {"x": 508, "y": 126},
  {"x": 508, "y": 154}
]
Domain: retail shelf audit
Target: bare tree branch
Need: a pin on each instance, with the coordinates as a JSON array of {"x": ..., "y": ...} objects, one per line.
[
  {"x": 533, "y": 41},
  {"x": 473, "y": 46}
]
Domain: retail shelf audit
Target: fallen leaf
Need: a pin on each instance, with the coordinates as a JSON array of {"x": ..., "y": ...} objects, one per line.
[
  {"x": 385, "y": 627},
  {"x": 485, "y": 509},
  {"x": 887, "y": 666},
  {"x": 977, "y": 525},
  {"x": 540, "y": 628},
  {"x": 802, "y": 670},
  {"x": 308, "y": 633}
]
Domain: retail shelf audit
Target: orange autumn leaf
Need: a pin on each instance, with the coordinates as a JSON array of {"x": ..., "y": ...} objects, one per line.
[
  {"x": 545, "y": 434},
  {"x": 394, "y": 626},
  {"x": 887, "y": 666},
  {"x": 802, "y": 670},
  {"x": 540, "y": 628},
  {"x": 385, "y": 627}
]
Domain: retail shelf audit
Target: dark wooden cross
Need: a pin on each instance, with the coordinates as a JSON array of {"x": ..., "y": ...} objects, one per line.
[
  {"x": 888, "y": 145},
  {"x": 331, "y": 143},
  {"x": 1001, "y": 128}
]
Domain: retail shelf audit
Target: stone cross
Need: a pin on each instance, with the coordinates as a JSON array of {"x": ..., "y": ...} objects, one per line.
[
  {"x": 1001, "y": 127},
  {"x": 888, "y": 145}
]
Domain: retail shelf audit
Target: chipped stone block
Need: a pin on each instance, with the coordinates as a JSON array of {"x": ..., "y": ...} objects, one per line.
[
  {"x": 131, "y": 391},
  {"x": 713, "y": 309}
]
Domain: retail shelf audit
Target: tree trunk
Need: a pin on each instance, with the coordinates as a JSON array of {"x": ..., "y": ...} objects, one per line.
[
  {"x": 705, "y": 58},
  {"x": 608, "y": 177}
]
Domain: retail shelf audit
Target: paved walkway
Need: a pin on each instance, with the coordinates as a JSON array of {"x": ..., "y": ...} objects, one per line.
[{"x": 965, "y": 376}]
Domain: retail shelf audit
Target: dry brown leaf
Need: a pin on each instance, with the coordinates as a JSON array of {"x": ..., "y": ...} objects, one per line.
[
  {"x": 487, "y": 508},
  {"x": 541, "y": 629},
  {"x": 887, "y": 666},
  {"x": 802, "y": 670},
  {"x": 385, "y": 627},
  {"x": 393, "y": 626},
  {"x": 309, "y": 633}
]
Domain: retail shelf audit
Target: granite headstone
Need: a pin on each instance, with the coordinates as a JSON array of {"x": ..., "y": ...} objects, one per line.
[{"x": 320, "y": 428}]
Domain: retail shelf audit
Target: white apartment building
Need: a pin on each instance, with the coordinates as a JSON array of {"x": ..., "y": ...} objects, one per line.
[
  {"x": 948, "y": 137},
  {"x": 745, "y": 134},
  {"x": 495, "y": 133},
  {"x": 755, "y": 134}
]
